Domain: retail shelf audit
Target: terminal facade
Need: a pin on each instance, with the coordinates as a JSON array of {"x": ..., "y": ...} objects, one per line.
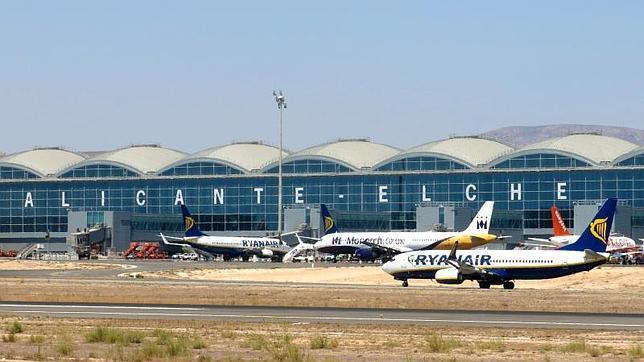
[{"x": 232, "y": 189}]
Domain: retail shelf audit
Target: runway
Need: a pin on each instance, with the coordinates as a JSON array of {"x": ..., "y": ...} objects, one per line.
[{"x": 595, "y": 321}]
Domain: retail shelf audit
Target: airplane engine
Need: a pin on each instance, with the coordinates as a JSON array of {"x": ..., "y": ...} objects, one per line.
[
  {"x": 267, "y": 253},
  {"x": 364, "y": 254},
  {"x": 449, "y": 276}
]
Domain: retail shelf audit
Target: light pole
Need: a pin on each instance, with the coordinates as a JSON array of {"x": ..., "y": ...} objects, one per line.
[{"x": 281, "y": 105}]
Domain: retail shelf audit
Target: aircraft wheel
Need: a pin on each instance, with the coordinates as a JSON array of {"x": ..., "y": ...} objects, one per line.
[
  {"x": 484, "y": 285},
  {"x": 245, "y": 258},
  {"x": 508, "y": 285},
  {"x": 405, "y": 283}
]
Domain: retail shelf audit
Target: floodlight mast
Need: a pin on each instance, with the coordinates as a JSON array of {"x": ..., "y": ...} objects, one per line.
[{"x": 281, "y": 105}]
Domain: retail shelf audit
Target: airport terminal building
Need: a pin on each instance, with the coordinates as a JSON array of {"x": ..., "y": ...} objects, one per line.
[{"x": 232, "y": 189}]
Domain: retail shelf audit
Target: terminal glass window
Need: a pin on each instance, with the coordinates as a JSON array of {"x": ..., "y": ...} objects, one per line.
[
  {"x": 422, "y": 164},
  {"x": 542, "y": 160},
  {"x": 310, "y": 166},
  {"x": 95, "y": 218},
  {"x": 201, "y": 169},
  {"x": 15, "y": 173},
  {"x": 633, "y": 161},
  {"x": 96, "y": 171}
]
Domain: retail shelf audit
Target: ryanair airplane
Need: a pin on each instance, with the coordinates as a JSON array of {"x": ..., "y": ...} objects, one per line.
[
  {"x": 502, "y": 267},
  {"x": 230, "y": 246},
  {"x": 368, "y": 246}
]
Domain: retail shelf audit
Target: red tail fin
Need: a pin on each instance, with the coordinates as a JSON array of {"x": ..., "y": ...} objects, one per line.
[{"x": 557, "y": 222}]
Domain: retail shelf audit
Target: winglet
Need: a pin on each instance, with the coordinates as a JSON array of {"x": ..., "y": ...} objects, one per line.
[{"x": 452, "y": 253}]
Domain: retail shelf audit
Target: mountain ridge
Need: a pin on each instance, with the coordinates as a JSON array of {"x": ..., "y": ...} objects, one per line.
[{"x": 521, "y": 136}]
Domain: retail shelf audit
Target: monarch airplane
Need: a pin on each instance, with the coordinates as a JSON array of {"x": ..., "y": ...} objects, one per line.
[
  {"x": 384, "y": 245},
  {"x": 562, "y": 236},
  {"x": 502, "y": 267},
  {"x": 232, "y": 246}
]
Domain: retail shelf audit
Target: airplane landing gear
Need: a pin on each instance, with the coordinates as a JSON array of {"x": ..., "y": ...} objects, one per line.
[
  {"x": 484, "y": 285},
  {"x": 508, "y": 285},
  {"x": 405, "y": 283}
]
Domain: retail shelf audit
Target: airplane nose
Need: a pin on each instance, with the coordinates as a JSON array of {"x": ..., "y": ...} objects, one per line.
[{"x": 388, "y": 267}]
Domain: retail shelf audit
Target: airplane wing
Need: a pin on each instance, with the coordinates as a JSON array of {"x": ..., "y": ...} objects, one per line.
[
  {"x": 469, "y": 271},
  {"x": 166, "y": 242},
  {"x": 541, "y": 240},
  {"x": 592, "y": 255},
  {"x": 550, "y": 246},
  {"x": 385, "y": 250}
]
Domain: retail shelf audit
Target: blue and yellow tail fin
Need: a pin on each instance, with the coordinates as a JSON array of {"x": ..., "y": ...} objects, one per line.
[
  {"x": 189, "y": 223},
  {"x": 329, "y": 223},
  {"x": 595, "y": 237}
]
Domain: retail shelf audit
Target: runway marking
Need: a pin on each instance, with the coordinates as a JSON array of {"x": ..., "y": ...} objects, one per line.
[
  {"x": 94, "y": 307},
  {"x": 362, "y": 319}
]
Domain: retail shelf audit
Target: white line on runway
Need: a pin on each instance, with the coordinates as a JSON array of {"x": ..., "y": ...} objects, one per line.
[
  {"x": 355, "y": 319},
  {"x": 95, "y": 307}
]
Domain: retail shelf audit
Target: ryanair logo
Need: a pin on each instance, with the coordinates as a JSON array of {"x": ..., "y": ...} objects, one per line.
[
  {"x": 598, "y": 229},
  {"x": 328, "y": 223},
  {"x": 190, "y": 222}
]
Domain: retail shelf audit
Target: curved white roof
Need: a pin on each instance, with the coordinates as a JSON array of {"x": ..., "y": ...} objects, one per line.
[
  {"x": 141, "y": 159},
  {"x": 247, "y": 156},
  {"x": 353, "y": 153},
  {"x": 471, "y": 151},
  {"x": 42, "y": 161},
  {"x": 637, "y": 151},
  {"x": 592, "y": 148}
]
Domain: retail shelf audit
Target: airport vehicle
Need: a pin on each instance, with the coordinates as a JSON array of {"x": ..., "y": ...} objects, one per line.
[
  {"x": 228, "y": 246},
  {"x": 369, "y": 246},
  {"x": 502, "y": 267},
  {"x": 617, "y": 243}
]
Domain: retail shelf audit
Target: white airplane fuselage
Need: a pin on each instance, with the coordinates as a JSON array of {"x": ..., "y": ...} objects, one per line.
[
  {"x": 239, "y": 246},
  {"x": 509, "y": 264},
  {"x": 348, "y": 243}
]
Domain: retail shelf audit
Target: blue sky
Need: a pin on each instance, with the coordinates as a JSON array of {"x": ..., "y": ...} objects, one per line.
[{"x": 189, "y": 75}]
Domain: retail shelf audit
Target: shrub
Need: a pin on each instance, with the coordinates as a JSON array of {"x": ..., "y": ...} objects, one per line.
[
  {"x": 163, "y": 336},
  {"x": 635, "y": 352},
  {"x": 279, "y": 349},
  {"x": 65, "y": 347},
  {"x": 283, "y": 349},
  {"x": 229, "y": 334},
  {"x": 178, "y": 347},
  {"x": 36, "y": 339},
  {"x": 198, "y": 343},
  {"x": 255, "y": 341},
  {"x": 437, "y": 344},
  {"x": 498, "y": 346},
  {"x": 15, "y": 327},
  {"x": 148, "y": 351},
  {"x": 9, "y": 338},
  {"x": 113, "y": 335},
  {"x": 323, "y": 342},
  {"x": 391, "y": 344},
  {"x": 578, "y": 346}
]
